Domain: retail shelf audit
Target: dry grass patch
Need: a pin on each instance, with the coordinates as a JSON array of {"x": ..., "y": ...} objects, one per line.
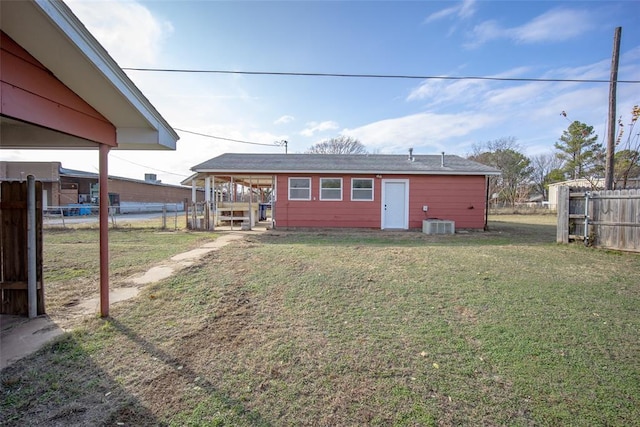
[{"x": 363, "y": 328}]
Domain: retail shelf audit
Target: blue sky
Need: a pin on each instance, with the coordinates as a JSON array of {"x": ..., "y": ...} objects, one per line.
[{"x": 512, "y": 39}]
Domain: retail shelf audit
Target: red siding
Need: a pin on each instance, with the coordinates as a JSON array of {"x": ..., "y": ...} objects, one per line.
[
  {"x": 31, "y": 93},
  {"x": 451, "y": 197},
  {"x": 457, "y": 198},
  {"x": 326, "y": 213}
]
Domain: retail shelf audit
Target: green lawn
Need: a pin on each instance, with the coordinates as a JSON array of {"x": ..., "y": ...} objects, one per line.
[{"x": 358, "y": 328}]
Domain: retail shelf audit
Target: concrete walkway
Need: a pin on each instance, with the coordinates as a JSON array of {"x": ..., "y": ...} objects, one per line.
[{"x": 20, "y": 336}]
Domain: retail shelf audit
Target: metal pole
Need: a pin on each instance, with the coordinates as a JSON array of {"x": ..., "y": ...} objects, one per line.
[
  {"x": 250, "y": 204},
  {"x": 273, "y": 201},
  {"x": 164, "y": 216},
  {"x": 586, "y": 218},
  {"x": 32, "y": 280}
]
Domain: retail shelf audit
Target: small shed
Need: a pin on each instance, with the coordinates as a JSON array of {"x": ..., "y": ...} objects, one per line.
[{"x": 353, "y": 191}]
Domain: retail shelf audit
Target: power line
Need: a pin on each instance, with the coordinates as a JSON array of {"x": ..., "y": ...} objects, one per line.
[
  {"x": 148, "y": 167},
  {"x": 225, "y": 139},
  {"x": 376, "y": 76},
  {"x": 275, "y": 144}
]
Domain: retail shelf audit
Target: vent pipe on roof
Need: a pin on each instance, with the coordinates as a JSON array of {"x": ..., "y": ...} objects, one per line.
[
  {"x": 411, "y": 158},
  {"x": 442, "y": 160}
]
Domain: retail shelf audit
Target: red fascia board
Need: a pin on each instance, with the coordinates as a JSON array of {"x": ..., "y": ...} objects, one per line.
[{"x": 30, "y": 93}]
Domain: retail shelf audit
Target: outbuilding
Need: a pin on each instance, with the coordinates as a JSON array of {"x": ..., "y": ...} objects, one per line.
[{"x": 375, "y": 191}]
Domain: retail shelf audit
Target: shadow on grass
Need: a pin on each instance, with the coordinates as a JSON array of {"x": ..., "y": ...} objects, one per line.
[
  {"x": 227, "y": 411},
  {"x": 60, "y": 385},
  {"x": 498, "y": 233}
]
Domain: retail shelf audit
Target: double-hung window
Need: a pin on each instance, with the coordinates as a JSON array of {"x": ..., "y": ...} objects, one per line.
[
  {"x": 299, "y": 188},
  {"x": 362, "y": 189},
  {"x": 330, "y": 188}
]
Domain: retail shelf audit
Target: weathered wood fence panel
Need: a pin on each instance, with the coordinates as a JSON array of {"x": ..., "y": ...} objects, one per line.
[
  {"x": 606, "y": 219},
  {"x": 13, "y": 248}
]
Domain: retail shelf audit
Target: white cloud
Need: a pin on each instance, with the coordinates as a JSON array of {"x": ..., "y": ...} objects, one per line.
[
  {"x": 284, "y": 120},
  {"x": 127, "y": 30},
  {"x": 553, "y": 26},
  {"x": 441, "y": 91},
  {"x": 464, "y": 10},
  {"x": 485, "y": 32},
  {"x": 463, "y": 91},
  {"x": 429, "y": 130},
  {"x": 314, "y": 127}
]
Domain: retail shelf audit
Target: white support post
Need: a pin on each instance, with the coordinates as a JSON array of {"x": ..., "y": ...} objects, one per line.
[
  {"x": 207, "y": 189},
  {"x": 251, "y": 219}
]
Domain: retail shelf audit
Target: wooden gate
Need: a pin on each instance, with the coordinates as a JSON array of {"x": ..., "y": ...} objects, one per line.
[
  {"x": 14, "y": 265},
  {"x": 606, "y": 219}
]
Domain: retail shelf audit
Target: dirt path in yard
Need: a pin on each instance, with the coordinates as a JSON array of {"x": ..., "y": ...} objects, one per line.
[{"x": 20, "y": 337}]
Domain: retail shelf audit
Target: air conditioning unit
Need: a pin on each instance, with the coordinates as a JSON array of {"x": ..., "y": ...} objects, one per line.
[{"x": 438, "y": 226}]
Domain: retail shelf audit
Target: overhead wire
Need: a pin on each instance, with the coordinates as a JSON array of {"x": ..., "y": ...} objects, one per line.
[
  {"x": 374, "y": 76},
  {"x": 224, "y": 139},
  {"x": 274, "y": 145},
  {"x": 148, "y": 167},
  {"x": 345, "y": 75}
]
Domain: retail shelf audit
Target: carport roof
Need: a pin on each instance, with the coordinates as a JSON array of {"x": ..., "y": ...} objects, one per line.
[{"x": 53, "y": 35}]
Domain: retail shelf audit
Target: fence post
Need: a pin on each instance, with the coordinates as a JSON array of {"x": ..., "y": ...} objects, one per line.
[{"x": 562, "y": 230}]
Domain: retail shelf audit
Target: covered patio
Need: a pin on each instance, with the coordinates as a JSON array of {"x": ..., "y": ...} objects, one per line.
[
  {"x": 60, "y": 89},
  {"x": 232, "y": 201}
]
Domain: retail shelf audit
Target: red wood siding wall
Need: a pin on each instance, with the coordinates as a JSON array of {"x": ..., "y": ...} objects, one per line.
[
  {"x": 31, "y": 93},
  {"x": 450, "y": 197}
]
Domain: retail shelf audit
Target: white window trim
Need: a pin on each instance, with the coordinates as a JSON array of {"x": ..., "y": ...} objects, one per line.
[
  {"x": 373, "y": 184},
  {"x": 341, "y": 188},
  {"x": 299, "y": 177}
]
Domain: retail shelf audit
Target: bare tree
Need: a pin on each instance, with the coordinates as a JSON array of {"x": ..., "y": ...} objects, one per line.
[
  {"x": 339, "y": 145},
  {"x": 627, "y": 159},
  {"x": 514, "y": 184},
  {"x": 546, "y": 170}
]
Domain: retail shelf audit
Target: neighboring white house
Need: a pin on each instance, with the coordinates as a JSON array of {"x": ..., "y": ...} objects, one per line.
[{"x": 592, "y": 184}]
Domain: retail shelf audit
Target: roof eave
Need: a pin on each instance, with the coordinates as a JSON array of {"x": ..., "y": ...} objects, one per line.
[
  {"x": 341, "y": 172},
  {"x": 76, "y": 58}
]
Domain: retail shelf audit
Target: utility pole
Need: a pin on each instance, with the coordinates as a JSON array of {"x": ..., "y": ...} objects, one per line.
[
  {"x": 611, "y": 130},
  {"x": 281, "y": 143}
]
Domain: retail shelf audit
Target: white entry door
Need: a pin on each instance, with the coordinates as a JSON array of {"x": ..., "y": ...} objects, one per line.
[{"x": 395, "y": 204}]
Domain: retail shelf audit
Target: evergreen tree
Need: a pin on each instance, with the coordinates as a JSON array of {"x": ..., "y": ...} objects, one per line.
[{"x": 582, "y": 155}]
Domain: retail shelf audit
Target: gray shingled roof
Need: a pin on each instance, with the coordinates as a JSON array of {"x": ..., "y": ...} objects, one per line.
[{"x": 343, "y": 163}]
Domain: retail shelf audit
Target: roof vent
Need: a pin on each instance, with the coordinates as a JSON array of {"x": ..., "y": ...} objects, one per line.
[
  {"x": 151, "y": 177},
  {"x": 411, "y": 158},
  {"x": 442, "y": 160}
]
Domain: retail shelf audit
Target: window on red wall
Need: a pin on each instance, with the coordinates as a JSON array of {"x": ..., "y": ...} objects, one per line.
[
  {"x": 330, "y": 188},
  {"x": 299, "y": 188},
  {"x": 362, "y": 189}
]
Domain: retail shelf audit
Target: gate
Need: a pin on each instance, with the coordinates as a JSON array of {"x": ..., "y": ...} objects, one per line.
[
  {"x": 607, "y": 219},
  {"x": 14, "y": 249}
]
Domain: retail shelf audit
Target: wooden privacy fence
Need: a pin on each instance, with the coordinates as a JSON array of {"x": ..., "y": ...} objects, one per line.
[
  {"x": 606, "y": 219},
  {"x": 14, "y": 248}
]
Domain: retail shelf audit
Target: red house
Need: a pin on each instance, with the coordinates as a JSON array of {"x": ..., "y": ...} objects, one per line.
[{"x": 355, "y": 191}]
